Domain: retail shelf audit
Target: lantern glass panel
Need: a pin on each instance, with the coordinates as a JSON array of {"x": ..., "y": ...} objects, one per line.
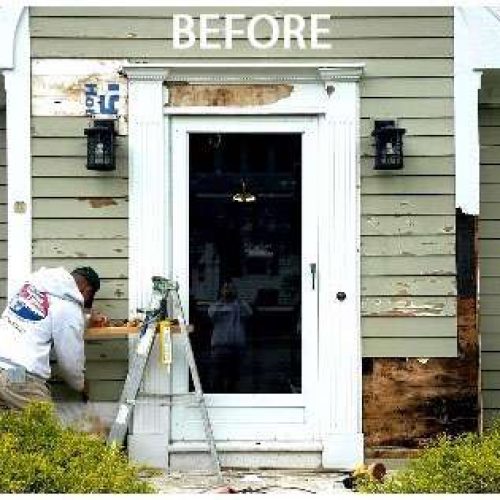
[
  {"x": 100, "y": 146},
  {"x": 388, "y": 146}
]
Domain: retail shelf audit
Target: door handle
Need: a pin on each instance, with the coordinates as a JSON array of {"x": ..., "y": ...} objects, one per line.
[{"x": 312, "y": 267}]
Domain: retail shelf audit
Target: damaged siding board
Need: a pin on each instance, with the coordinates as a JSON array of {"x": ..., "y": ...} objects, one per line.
[
  {"x": 407, "y": 225},
  {"x": 411, "y": 246},
  {"x": 79, "y": 216},
  {"x": 408, "y": 307},
  {"x": 79, "y": 248},
  {"x": 401, "y": 204},
  {"x": 81, "y": 207},
  {"x": 489, "y": 244},
  {"x": 408, "y": 217},
  {"x": 80, "y": 228},
  {"x": 61, "y": 187}
]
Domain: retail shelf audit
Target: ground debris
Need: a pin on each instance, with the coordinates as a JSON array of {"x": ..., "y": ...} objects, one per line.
[{"x": 252, "y": 481}]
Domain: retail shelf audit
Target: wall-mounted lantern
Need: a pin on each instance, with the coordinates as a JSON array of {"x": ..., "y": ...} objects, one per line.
[
  {"x": 388, "y": 145},
  {"x": 101, "y": 145}
]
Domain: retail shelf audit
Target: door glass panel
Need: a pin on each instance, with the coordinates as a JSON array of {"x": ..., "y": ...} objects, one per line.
[{"x": 245, "y": 260}]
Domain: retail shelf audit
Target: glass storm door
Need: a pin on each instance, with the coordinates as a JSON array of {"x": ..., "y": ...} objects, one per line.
[{"x": 244, "y": 249}]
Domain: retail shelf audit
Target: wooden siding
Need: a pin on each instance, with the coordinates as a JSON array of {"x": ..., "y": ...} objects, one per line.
[
  {"x": 3, "y": 196},
  {"x": 489, "y": 243},
  {"x": 408, "y": 217}
]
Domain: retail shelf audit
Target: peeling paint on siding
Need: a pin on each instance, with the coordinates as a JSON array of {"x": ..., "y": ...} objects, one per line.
[
  {"x": 100, "y": 202},
  {"x": 59, "y": 88}
]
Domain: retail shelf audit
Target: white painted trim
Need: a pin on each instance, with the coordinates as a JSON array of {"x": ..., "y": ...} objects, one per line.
[
  {"x": 466, "y": 85},
  {"x": 248, "y": 446},
  {"x": 467, "y": 176},
  {"x": 339, "y": 270},
  {"x": 337, "y": 107},
  {"x": 476, "y": 48},
  {"x": 10, "y": 18},
  {"x": 306, "y": 402},
  {"x": 18, "y": 111},
  {"x": 147, "y": 184},
  {"x": 227, "y": 73}
]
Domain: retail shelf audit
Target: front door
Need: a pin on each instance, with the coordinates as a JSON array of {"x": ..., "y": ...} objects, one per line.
[{"x": 244, "y": 250}]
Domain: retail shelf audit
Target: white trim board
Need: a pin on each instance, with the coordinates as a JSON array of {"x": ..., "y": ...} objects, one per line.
[
  {"x": 254, "y": 416},
  {"x": 18, "y": 111},
  {"x": 332, "y": 91},
  {"x": 476, "y": 48}
]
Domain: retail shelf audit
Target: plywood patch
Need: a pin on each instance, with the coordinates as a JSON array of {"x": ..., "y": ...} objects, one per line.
[{"x": 227, "y": 95}]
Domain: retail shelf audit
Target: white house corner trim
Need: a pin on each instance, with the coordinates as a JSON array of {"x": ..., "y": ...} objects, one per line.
[
  {"x": 340, "y": 329},
  {"x": 467, "y": 82},
  {"x": 147, "y": 183},
  {"x": 18, "y": 112}
]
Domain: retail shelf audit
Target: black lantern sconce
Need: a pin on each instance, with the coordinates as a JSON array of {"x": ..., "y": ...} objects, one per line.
[
  {"x": 388, "y": 145},
  {"x": 101, "y": 145}
]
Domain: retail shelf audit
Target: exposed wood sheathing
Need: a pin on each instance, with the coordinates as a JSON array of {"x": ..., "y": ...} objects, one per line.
[{"x": 407, "y": 402}]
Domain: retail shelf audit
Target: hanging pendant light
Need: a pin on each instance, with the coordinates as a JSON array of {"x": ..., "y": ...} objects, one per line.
[{"x": 244, "y": 196}]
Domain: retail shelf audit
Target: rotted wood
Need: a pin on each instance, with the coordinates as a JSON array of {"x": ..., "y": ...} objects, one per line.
[
  {"x": 227, "y": 95},
  {"x": 408, "y": 401}
]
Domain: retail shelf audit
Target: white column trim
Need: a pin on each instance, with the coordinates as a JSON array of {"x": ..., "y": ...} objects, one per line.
[
  {"x": 339, "y": 271},
  {"x": 9, "y": 22},
  {"x": 147, "y": 183},
  {"x": 18, "y": 111},
  {"x": 466, "y": 85},
  {"x": 467, "y": 167}
]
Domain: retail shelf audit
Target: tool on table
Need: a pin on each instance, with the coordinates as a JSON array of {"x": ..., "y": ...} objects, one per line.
[{"x": 165, "y": 297}]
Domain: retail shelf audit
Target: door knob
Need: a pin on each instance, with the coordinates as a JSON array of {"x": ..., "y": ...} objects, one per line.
[{"x": 341, "y": 296}]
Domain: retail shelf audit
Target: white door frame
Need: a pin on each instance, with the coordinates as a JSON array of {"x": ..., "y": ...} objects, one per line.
[
  {"x": 329, "y": 90},
  {"x": 15, "y": 63},
  {"x": 267, "y": 408}
]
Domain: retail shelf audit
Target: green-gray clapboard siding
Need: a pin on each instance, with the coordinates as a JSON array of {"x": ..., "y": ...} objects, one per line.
[
  {"x": 3, "y": 196},
  {"x": 489, "y": 243},
  {"x": 408, "y": 217}
]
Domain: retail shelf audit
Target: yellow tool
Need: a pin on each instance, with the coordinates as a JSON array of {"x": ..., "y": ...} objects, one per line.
[{"x": 165, "y": 333}]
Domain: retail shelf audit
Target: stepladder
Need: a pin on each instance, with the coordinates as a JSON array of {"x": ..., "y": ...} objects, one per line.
[{"x": 163, "y": 318}]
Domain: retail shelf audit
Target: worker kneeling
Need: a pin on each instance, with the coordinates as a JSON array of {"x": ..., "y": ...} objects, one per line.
[{"x": 46, "y": 312}]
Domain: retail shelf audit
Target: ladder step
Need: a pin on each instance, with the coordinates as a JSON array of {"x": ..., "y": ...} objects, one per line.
[{"x": 163, "y": 291}]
